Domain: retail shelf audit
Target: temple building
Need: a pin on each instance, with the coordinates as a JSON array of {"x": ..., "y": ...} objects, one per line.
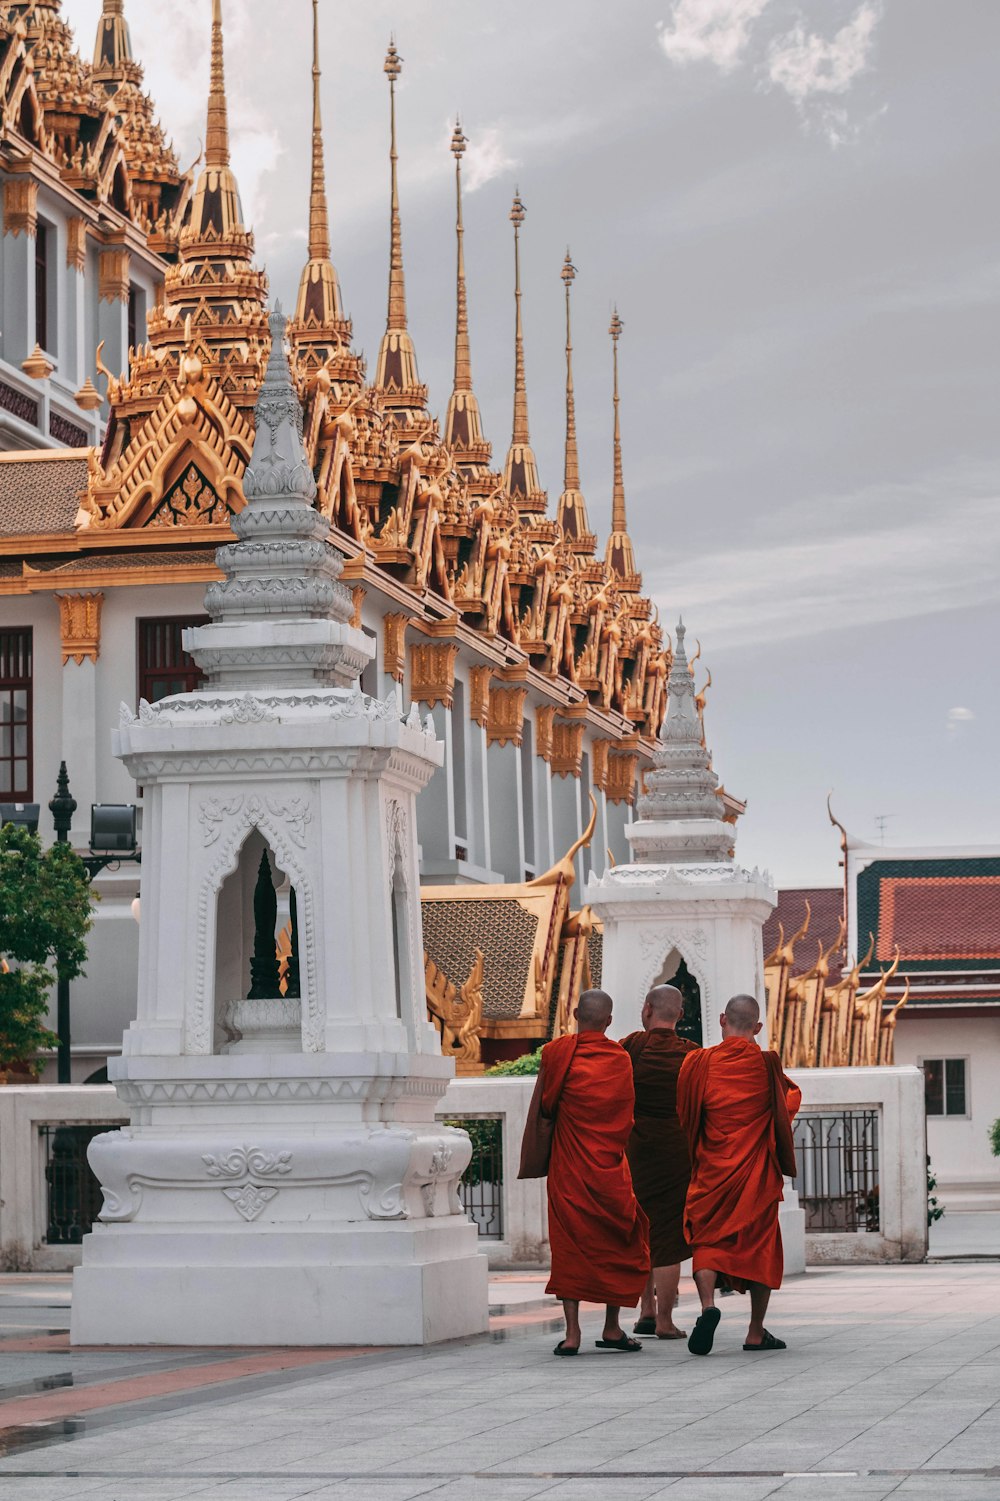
[
  {"x": 901, "y": 964},
  {"x": 135, "y": 339}
]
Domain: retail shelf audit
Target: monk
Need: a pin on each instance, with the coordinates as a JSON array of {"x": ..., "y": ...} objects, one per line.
[
  {"x": 658, "y": 1154},
  {"x": 597, "y": 1232},
  {"x": 736, "y": 1107}
]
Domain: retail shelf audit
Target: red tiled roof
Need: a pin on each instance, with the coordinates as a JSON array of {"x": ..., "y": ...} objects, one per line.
[
  {"x": 939, "y": 917},
  {"x": 826, "y": 904}
]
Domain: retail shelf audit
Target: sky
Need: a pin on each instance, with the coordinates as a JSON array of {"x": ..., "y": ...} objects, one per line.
[{"x": 793, "y": 204}]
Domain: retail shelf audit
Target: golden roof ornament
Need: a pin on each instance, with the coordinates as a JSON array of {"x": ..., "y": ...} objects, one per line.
[
  {"x": 319, "y": 332},
  {"x": 521, "y": 469},
  {"x": 463, "y": 431},
  {"x": 396, "y": 373},
  {"x": 619, "y": 556},
  {"x": 572, "y": 513}
]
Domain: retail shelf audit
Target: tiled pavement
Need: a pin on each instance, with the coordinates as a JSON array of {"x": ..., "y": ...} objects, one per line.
[{"x": 890, "y": 1387}]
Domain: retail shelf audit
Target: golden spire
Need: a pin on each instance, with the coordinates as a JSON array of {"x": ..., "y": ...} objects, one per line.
[
  {"x": 397, "y": 286},
  {"x": 619, "y": 556},
  {"x": 464, "y": 424},
  {"x": 571, "y": 470},
  {"x": 319, "y": 331},
  {"x": 521, "y": 468},
  {"x": 463, "y": 358},
  {"x": 618, "y": 522},
  {"x": 216, "y": 212},
  {"x": 319, "y": 223},
  {"x": 520, "y": 430},
  {"x": 217, "y": 135},
  {"x": 113, "y": 61},
  {"x": 396, "y": 374},
  {"x": 572, "y": 506}
]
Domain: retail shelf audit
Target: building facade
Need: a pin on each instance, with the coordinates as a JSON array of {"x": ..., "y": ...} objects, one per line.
[{"x": 539, "y": 657}]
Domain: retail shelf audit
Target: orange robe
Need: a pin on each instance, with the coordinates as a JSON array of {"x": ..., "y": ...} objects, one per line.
[
  {"x": 597, "y": 1233},
  {"x": 658, "y": 1150},
  {"x": 727, "y": 1105}
]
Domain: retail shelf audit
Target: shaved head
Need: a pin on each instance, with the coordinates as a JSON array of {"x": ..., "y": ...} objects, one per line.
[
  {"x": 593, "y": 1012},
  {"x": 663, "y": 1007},
  {"x": 742, "y": 1015}
]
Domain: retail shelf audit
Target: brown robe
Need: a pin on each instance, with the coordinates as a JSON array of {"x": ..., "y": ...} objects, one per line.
[{"x": 658, "y": 1149}]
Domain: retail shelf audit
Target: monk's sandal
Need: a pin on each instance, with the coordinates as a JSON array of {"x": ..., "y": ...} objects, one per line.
[
  {"x": 703, "y": 1334},
  {"x": 767, "y": 1343}
]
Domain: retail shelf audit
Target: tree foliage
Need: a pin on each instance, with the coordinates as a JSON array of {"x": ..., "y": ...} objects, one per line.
[
  {"x": 528, "y": 1063},
  {"x": 45, "y": 914}
]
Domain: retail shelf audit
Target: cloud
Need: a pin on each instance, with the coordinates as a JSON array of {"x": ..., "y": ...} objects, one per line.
[
  {"x": 811, "y": 69},
  {"x": 485, "y": 158},
  {"x": 804, "y": 63},
  {"x": 715, "y": 31},
  {"x": 957, "y": 719},
  {"x": 898, "y": 551}
]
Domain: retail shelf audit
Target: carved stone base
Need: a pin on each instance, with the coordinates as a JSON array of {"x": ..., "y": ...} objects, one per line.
[{"x": 364, "y": 1284}]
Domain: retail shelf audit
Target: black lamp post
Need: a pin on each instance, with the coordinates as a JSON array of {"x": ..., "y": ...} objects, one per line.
[{"x": 62, "y": 807}]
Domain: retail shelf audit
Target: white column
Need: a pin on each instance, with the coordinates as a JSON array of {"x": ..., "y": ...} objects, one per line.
[{"x": 79, "y": 740}]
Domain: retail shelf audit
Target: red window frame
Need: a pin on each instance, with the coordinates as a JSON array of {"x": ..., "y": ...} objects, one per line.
[
  {"x": 164, "y": 666},
  {"x": 16, "y": 750}
]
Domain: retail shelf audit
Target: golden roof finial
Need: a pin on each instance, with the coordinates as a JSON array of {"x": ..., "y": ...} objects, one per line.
[
  {"x": 319, "y": 223},
  {"x": 463, "y": 357},
  {"x": 217, "y": 135},
  {"x": 113, "y": 47},
  {"x": 619, "y": 556},
  {"x": 520, "y": 429},
  {"x": 571, "y": 471},
  {"x": 618, "y": 521},
  {"x": 397, "y": 287}
]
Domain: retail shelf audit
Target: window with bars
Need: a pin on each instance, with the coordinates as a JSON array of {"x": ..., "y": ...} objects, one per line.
[
  {"x": 164, "y": 665},
  {"x": 15, "y": 716},
  {"x": 945, "y": 1087}
]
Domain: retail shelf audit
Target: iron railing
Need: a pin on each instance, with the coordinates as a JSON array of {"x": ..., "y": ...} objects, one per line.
[
  {"x": 481, "y": 1188},
  {"x": 837, "y": 1153},
  {"x": 73, "y": 1194}
]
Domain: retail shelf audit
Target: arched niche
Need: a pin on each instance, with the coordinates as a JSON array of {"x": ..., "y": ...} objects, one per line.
[
  {"x": 252, "y": 909},
  {"x": 674, "y": 971}
]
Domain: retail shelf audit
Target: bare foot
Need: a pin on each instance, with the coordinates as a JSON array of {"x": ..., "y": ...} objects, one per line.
[{"x": 670, "y": 1331}]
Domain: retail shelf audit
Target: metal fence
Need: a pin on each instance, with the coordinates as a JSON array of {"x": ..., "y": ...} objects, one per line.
[
  {"x": 481, "y": 1188},
  {"x": 72, "y": 1194},
  {"x": 837, "y": 1154}
]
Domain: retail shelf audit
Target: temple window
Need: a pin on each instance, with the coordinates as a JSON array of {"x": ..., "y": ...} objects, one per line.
[
  {"x": 15, "y": 715},
  {"x": 944, "y": 1086},
  {"x": 164, "y": 666},
  {"x": 43, "y": 236}
]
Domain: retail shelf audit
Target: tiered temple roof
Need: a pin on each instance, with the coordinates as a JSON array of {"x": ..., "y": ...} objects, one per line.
[
  {"x": 419, "y": 510},
  {"x": 94, "y": 123}
]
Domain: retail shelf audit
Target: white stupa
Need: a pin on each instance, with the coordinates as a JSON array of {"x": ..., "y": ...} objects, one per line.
[{"x": 283, "y": 1180}]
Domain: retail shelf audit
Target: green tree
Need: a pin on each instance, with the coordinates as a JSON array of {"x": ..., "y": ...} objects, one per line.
[{"x": 45, "y": 914}]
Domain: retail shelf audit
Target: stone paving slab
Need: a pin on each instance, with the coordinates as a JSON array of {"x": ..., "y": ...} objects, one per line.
[{"x": 892, "y": 1376}]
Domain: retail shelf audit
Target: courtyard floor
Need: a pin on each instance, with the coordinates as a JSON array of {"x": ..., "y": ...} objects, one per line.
[{"x": 890, "y": 1387}]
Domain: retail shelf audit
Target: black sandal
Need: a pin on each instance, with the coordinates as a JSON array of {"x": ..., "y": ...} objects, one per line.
[
  {"x": 703, "y": 1333},
  {"x": 561, "y": 1349},
  {"x": 644, "y": 1326},
  {"x": 627, "y": 1345},
  {"x": 767, "y": 1343}
]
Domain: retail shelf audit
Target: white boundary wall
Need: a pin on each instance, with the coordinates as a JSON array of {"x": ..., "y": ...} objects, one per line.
[{"x": 897, "y": 1094}]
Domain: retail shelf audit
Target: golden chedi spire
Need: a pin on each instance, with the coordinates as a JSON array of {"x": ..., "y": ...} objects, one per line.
[
  {"x": 184, "y": 415},
  {"x": 396, "y": 373},
  {"x": 521, "y": 468},
  {"x": 619, "y": 556},
  {"x": 464, "y": 424},
  {"x": 113, "y": 60},
  {"x": 572, "y": 514},
  {"x": 216, "y": 212},
  {"x": 319, "y": 330},
  {"x": 154, "y": 172}
]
